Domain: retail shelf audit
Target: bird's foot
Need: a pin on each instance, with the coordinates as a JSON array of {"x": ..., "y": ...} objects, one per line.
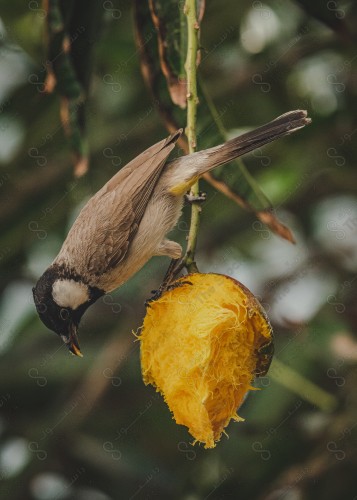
[
  {"x": 176, "y": 265},
  {"x": 156, "y": 294},
  {"x": 200, "y": 198}
]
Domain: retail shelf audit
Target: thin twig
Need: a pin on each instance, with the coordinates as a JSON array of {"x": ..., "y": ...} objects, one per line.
[{"x": 192, "y": 101}]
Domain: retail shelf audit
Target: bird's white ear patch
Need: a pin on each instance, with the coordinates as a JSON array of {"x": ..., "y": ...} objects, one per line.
[{"x": 69, "y": 293}]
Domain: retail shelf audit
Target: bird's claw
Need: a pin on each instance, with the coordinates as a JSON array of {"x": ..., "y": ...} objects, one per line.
[
  {"x": 156, "y": 294},
  {"x": 200, "y": 198}
]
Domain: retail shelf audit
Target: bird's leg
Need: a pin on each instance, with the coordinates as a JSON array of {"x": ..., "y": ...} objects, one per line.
[
  {"x": 173, "y": 250},
  {"x": 176, "y": 265}
]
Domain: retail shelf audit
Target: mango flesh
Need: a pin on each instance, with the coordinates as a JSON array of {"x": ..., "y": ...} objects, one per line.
[{"x": 200, "y": 345}]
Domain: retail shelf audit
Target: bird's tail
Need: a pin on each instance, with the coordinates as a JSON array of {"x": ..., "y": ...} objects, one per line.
[{"x": 201, "y": 162}]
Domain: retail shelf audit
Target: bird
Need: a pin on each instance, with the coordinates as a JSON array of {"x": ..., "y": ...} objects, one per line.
[{"x": 126, "y": 223}]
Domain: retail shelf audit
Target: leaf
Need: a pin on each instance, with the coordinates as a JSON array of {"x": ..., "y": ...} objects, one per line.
[
  {"x": 72, "y": 28},
  {"x": 267, "y": 217},
  {"x": 168, "y": 19},
  {"x": 167, "y": 23},
  {"x": 233, "y": 179},
  {"x": 270, "y": 219}
]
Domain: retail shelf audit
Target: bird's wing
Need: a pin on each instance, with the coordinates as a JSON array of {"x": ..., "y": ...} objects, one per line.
[{"x": 101, "y": 235}]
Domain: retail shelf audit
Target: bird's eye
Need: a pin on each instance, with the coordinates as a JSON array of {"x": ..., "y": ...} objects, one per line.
[{"x": 64, "y": 314}]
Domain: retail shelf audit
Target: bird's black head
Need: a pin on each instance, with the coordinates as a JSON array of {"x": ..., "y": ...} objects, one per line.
[{"x": 61, "y": 298}]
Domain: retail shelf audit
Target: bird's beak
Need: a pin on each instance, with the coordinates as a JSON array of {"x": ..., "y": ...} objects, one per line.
[{"x": 71, "y": 341}]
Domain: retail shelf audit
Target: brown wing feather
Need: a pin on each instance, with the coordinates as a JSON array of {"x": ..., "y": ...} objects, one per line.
[{"x": 101, "y": 235}]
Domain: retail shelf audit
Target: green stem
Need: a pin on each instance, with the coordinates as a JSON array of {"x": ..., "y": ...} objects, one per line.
[
  {"x": 249, "y": 178},
  {"x": 301, "y": 386},
  {"x": 192, "y": 101}
]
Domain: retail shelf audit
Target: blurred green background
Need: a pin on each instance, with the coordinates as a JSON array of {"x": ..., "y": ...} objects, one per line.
[{"x": 88, "y": 428}]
